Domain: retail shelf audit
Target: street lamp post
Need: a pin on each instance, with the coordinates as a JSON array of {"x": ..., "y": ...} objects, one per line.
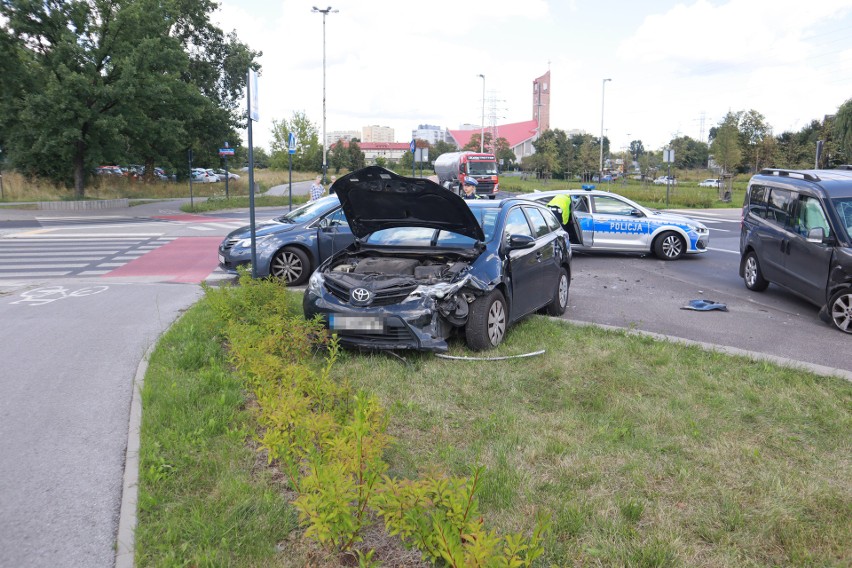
[
  {"x": 603, "y": 92},
  {"x": 324, "y": 13},
  {"x": 482, "y": 124}
]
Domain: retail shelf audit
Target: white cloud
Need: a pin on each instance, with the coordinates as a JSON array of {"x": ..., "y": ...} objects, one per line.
[{"x": 404, "y": 65}]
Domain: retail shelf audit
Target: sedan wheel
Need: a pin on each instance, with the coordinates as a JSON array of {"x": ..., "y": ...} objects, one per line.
[
  {"x": 487, "y": 322},
  {"x": 559, "y": 303},
  {"x": 840, "y": 310},
  {"x": 290, "y": 265},
  {"x": 752, "y": 275},
  {"x": 669, "y": 246}
]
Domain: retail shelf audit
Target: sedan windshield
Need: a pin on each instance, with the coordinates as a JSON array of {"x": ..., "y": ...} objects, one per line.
[
  {"x": 427, "y": 237},
  {"x": 308, "y": 212}
]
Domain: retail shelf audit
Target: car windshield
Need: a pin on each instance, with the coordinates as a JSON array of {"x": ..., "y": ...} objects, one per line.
[
  {"x": 482, "y": 168},
  {"x": 843, "y": 206},
  {"x": 426, "y": 237},
  {"x": 308, "y": 212}
]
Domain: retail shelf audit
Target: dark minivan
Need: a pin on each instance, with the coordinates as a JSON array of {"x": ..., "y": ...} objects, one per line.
[{"x": 797, "y": 233}]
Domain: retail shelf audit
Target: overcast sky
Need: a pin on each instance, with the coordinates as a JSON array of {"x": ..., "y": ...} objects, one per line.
[{"x": 674, "y": 65}]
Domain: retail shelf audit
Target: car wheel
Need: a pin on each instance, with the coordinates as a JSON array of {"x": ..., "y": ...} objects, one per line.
[
  {"x": 487, "y": 322},
  {"x": 559, "y": 303},
  {"x": 291, "y": 265},
  {"x": 669, "y": 246},
  {"x": 752, "y": 275},
  {"x": 840, "y": 310}
]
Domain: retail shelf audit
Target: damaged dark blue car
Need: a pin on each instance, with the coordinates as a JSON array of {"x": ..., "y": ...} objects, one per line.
[{"x": 426, "y": 264}]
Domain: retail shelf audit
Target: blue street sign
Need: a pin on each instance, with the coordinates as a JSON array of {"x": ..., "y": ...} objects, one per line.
[
  {"x": 412, "y": 146},
  {"x": 226, "y": 151},
  {"x": 291, "y": 143}
]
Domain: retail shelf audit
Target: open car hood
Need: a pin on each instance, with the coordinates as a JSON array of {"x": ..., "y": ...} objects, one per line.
[{"x": 374, "y": 198}]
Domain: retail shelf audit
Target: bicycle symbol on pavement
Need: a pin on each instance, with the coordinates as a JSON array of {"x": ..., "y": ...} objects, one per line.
[{"x": 48, "y": 294}]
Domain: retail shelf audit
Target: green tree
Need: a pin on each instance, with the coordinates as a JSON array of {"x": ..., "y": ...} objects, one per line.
[
  {"x": 357, "y": 160},
  {"x": 689, "y": 153},
  {"x": 842, "y": 131},
  {"x": 111, "y": 80},
  {"x": 504, "y": 153},
  {"x": 339, "y": 156},
  {"x": 308, "y": 156},
  {"x": 636, "y": 149},
  {"x": 753, "y": 130},
  {"x": 473, "y": 144},
  {"x": 726, "y": 144}
]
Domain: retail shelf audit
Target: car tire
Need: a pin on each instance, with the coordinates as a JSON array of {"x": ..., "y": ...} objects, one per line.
[
  {"x": 752, "y": 275},
  {"x": 291, "y": 265},
  {"x": 840, "y": 310},
  {"x": 669, "y": 246},
  {"x": 559, "y": 303},
  {"x": 487, "y": 322}
]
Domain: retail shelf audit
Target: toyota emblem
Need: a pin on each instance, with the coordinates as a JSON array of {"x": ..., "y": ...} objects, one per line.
[{"x": 361, "y": 296}]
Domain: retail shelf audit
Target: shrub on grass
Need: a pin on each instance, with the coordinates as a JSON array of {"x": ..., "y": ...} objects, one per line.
[{"x": 330, "y": 442}]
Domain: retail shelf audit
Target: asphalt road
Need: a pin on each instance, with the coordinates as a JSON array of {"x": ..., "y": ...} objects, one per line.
[{"x": 83, "y": 295}]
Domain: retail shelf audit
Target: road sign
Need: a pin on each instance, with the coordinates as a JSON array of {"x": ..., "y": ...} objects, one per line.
[
  {"x": 226, "y": 151},
  {"x": 412, "y": 146},
  {"x": 668, "y": 156},
  {"x": 291, "y": 143}
]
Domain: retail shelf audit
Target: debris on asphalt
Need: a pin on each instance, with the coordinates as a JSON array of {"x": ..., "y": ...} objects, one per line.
[{"x": 705, "y": 305}]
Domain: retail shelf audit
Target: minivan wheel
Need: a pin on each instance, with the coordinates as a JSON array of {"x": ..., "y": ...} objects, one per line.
[
  {"x": 669, "y": 246},
  {"x": 290, "y": 265},
  {"x": 752, "y": 275},
  {"x": 487, "y": 322},
  {"x": 840, "y": 310}
]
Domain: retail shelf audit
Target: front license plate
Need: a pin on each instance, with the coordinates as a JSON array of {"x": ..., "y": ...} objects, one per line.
[
  {"x": 368, "y": 324},
  {"x": 221, "y": 259}
]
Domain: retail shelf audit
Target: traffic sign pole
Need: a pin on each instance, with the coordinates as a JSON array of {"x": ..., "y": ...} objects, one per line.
[{"x": 291, "y": 149}]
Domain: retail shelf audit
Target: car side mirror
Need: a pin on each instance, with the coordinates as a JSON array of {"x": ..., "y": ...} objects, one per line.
[
  {"x": 816, "y": 235},
  {"x": 636, "y": 213},
  {"x": 520, "y": 242}
]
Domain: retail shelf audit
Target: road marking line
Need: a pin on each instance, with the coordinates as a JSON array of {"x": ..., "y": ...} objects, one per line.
[
  {"x": 33, "y": 274},
  {"x": 723, "y": 250},
  {"x": 87, "y": 236},
  {"x": 202, "y": 228}
]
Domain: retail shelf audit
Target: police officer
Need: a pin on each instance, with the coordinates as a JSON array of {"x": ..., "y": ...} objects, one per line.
[
  {"x": 563, "y": 201},
  {"x": 469, "y": 188}
]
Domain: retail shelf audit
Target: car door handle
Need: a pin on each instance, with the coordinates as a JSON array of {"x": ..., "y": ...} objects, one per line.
[{"x": 538, "y": 256}]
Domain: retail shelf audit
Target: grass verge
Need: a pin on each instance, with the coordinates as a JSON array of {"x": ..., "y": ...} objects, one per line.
[{"x": 645, "y": 453}]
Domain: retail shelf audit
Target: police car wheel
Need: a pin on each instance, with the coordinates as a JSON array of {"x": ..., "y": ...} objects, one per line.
[
  {"x": 669, "y": 246},
  {"x": 487, "y": 322},
  {"x": 559, "y": 303}
]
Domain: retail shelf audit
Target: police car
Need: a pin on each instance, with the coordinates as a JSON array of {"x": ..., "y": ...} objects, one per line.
[{"x": 606, "y": 221}]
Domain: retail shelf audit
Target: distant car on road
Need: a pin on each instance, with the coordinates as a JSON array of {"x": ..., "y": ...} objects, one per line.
[
  {"x": 712, "y": 182},
  {"x": 200, "y": 175},
  {"x": 665, "y": 180},
  {"x": 611, "y": 222},
  {"x": 223, "y": 174}
]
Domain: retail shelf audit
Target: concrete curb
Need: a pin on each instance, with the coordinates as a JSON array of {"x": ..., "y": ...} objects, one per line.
[
  {"x": 125, "y": 541},
  {"x": 783, "y": 361},
  {"x": 83, "y": 205}
]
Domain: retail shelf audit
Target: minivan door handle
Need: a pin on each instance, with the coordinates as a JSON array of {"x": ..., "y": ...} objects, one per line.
[{"x": 785, "y": 246}]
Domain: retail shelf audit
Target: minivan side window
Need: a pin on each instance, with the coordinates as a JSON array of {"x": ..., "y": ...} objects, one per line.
[
  {"x": 779, "y": 207},
  {"x": 757, "y": 201},
  {"x": 811, "y": 216}
]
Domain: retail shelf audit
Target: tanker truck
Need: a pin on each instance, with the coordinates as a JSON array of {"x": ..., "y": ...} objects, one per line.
[{"x": 453, "y": 167}]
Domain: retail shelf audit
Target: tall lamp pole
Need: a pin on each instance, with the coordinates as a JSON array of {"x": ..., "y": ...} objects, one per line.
[
  {"x": 482, "y": 124},
  {"x": 324, "y": 13},
  {"x": 603, "y": 93}
]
